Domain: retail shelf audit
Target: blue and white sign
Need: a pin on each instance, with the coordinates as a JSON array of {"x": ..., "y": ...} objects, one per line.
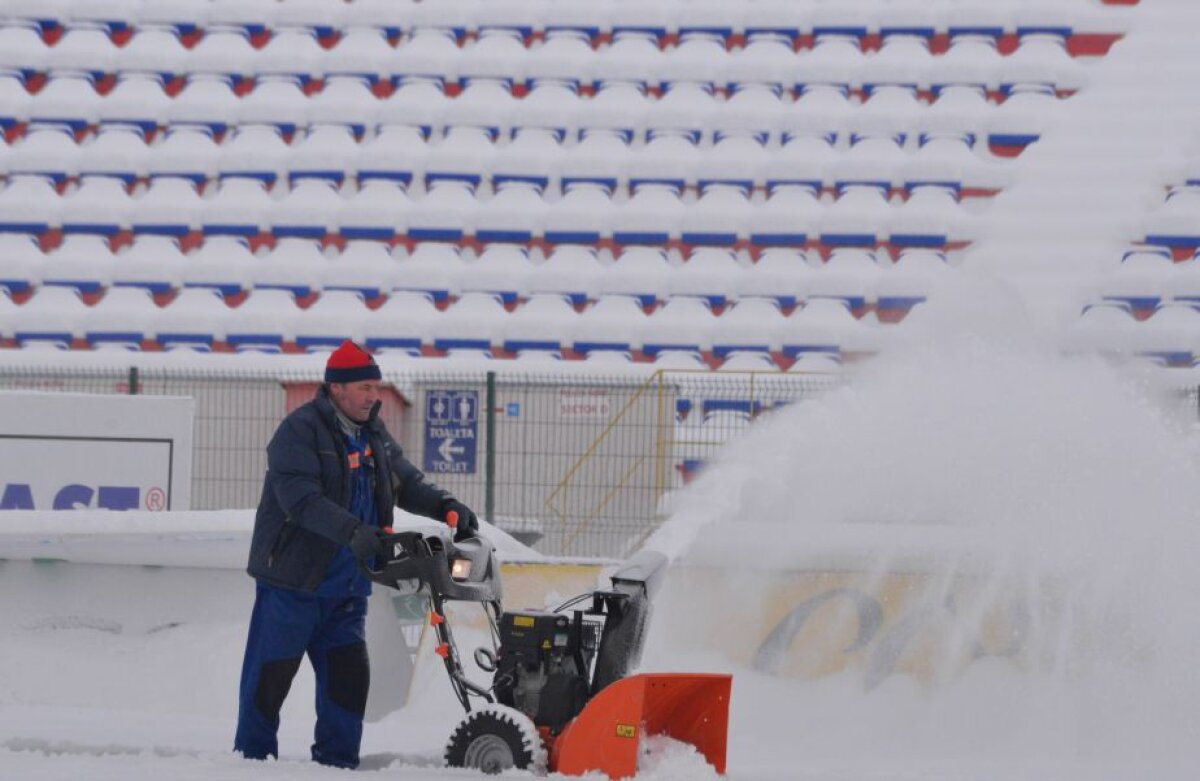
[{"x": 451, "y": 431}]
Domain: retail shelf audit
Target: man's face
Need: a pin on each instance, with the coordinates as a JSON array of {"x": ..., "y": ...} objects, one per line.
[{"x": 355, "y": 399}]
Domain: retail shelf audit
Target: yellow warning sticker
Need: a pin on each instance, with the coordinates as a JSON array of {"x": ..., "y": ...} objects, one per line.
[
  {"x": 525, "y": 621},
  {"x": 626, "y": 731}
]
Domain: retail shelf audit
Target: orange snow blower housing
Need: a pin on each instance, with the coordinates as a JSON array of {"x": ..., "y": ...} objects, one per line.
[{"x": 561, "y": 698}]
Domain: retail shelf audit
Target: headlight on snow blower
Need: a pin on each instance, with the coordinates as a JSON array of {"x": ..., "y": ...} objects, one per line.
[{"x": 460, "y": 569}]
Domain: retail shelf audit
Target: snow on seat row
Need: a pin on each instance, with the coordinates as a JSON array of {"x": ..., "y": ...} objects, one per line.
[
  {"x": 652, "y": 275},
  {"x": 863, "y": 213},
  {"x": 800, "y": 23},
  {"x": 536, "y": 156},
  {"x": 1042, "y": 57},
  {"x": 965, "y": 110},
  {"x": 295, "y": 297}
]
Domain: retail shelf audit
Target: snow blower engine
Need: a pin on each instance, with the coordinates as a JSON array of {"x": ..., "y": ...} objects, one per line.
[{"x": 560, "y": 698}]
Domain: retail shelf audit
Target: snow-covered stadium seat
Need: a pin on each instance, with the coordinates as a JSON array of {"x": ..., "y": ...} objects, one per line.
[
  {"x": 434, "y": 269},
  {"x": 263, "y": 322},
  {"x": 83, "y": 263},
  {"x": 614, "y": 323},
  {"x": 404, "y": 323},
  {"x": 500, "y": 270},
  {"x": 570, "y": 270},
  {"x": 154, "y": 263},
  {"x": 474, "y": 322},
  {"x": 780, "y": 273},
  {"x": 540, "y": 324},
  {"x": 640, "y": 272},
  {"x": 335, "y": 316},
  {"x": 224, "y": 264},
  {"x": 683, "y": 323},
  {"x": 124, "y": 317},
  {"x": 53, "y": 315}
]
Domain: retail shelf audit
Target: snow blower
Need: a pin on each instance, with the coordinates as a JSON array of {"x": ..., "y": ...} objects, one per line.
[{"x": 560, "y": 699}]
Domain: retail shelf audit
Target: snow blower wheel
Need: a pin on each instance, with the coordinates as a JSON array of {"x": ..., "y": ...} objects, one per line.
[{"x": 495, "y": 738}]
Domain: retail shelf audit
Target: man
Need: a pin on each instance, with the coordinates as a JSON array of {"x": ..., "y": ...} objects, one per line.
[{"x": 334, "y": 473}]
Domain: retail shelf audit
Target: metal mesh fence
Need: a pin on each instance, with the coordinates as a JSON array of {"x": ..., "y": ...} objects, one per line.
[{"x": 573, "y": 464}]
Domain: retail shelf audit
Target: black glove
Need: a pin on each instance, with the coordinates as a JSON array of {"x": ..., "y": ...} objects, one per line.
[
  {"x": 366, "y": 542},
  {"x": 468, "y": 524}
]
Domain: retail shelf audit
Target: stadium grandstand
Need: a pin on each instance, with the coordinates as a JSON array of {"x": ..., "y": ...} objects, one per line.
[
  {"x": 624, "y": 230},
  {"x": 756, "y": 181}
]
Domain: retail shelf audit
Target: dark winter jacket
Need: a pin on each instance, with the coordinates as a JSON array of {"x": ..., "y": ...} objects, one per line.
[{"x": 303, "y": 516}]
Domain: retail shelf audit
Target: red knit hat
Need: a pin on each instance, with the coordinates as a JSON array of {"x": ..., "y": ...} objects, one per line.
[{"x": 350, "y": 363}]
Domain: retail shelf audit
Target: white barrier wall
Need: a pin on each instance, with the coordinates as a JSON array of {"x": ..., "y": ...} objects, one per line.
[
  {"x": 133, "y": 575},
  {"x": 65, "y": 451}
]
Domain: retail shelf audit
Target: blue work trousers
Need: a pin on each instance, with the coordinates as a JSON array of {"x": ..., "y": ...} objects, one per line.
[{"x": 284, "y": 627}]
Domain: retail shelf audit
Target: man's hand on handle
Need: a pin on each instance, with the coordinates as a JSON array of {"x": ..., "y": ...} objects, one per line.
[
  {"x": 367, "y": 542},
  {"x": 467, "y": 524}
]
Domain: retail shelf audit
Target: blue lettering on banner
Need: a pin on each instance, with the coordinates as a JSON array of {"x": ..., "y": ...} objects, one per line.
[
  {"x": 19, "y": 496},
  {"x": 451, "y": 431}
]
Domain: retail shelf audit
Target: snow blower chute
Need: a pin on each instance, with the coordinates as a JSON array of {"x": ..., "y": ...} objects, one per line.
[{"x": 560, "y": 698}]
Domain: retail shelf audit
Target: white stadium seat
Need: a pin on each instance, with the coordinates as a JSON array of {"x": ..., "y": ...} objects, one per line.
[
  {"x": 652, "y": 216},
  {"x": 445, "y": 213},
  {"x": 850, "y": 275},
  {"x": 53, "y": 315},
  {"x": 154, "y": 263},
  {"x": 293, "y": 264},
  {"x": 278, "y": 101},
  {"x": 540, "y": 324},
  {"x": 500, "y": 270},
  {"x": 364, "y": 267},
  {"x": 49, "y": 151},
  {"x": 571, "y": 271},
  {"x": 615, "y": 323},
  {"x": 118, "y": 152},
  {"x": 309, "y": 210},
  {"x": 326, "y": 152},
  {"x": 207, "y": 100},
  {"x": 752, "y": 324},
  {"x": 82, "y": 263},
  {"x": 583, "y": 215},
  {"x": 361, "y": 52},
  {"x": 378, "y": 210},
  {"x": 344, "y": 100},
  {"x": 224, "y": 264},
  {"x": 67, "y": 99},
  {"x": 21, "y": 262},
  {"x": 516, "y": 213},
  {"x": 780, "y": 273},
  {"x": 240, "y": 207},
  {"x": 29, "y": 204},
  {"x": 638, "y": 272},
  {"x": 474, "y": 322},
  {"x": 156, "y": 52},
  {"x": 403, "y": 323},
  {"x": 720, "y": 217},
  {"x": 100, "y": 205},
  {"x": 397, "y": 153},
  {"x": 433, "y": 269},
  {"x": 187, "y": 152},
  {"x": 263, "y": 322},
  {"x": 683, "y": 323},
  {"x": 334, "y": 317},
  {"x": 124, "y": 317},
  {"x": 708, "y": 273}
]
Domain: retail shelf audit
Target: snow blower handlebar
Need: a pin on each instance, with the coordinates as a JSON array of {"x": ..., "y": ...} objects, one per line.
[{"x": 463, "y": 571}]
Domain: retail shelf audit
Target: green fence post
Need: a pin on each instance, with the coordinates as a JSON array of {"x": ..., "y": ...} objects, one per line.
[
  {"x": 489, "y": 464},
  {"x": 133, "y": 380}
]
